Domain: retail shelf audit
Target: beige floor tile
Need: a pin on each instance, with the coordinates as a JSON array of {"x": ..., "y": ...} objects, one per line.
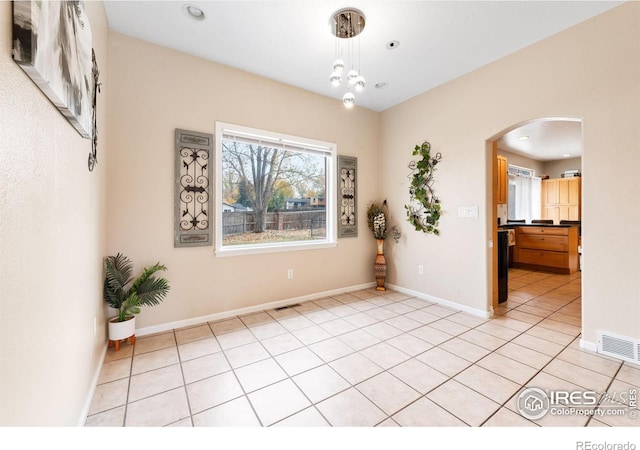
[
  {"x": 418, "y": 375},
  {"x": 351, "y": 409},
  {"x": 464, "y": 349},
  {"x": 591, "y": 361},
  {"x": 281, "y": 344},
  {"x": 346, "y": 298},
  {"x": 504, "y": 417},
  {"x": 235, "y": 413},
  {"x": 630, "y": 374},
  {"x": 298, "y": 361},
  {"x": 109, "y": 395},
  {"x": 363, "y": 305},
  {"x": 309, "y": 417},
  {"x": 622, "y": 392},
  {"x": 311, "y": 335},
  {"x": 337, "y": 327},
  {"x": 384, "y": 355},
  {"x": 425, "y": 413},
  {"x": 537, "y": 344},
  {"x": 296, "y": 323},
  {"x": 416, "y": 303},
  {"x": 268, "y": 330},
  {"x": 466, "y": 319},
  {"x": 159, "y": 410},
  {"x": 186, "y": 335},
  {"x": 320, "y": 383},
  {"x": 246, "y": 354},
  {"x": 449, "y": 327},
  {"x": 319, "y": 317},
  {"x": 566, "y": 318},
  {"x": 260, "y": 374},
  {"x": 493, "y": 328},
  {"x": 403, "y": 323},
  {"x": 524, "y": 355},
  {"x": 399, "y": 308},
  {"x": 275, "y": 402},
  {"x": 355, "y": 368},
  {"x": 443, "y": 361},
  {"x": 484, "y": 340},
  {"x": 199, "y": 348},
  {"x": 235, "y": 339},
  {"x": 282, "y": 313},
  {"x": 382, "y": 331},
  {"x": 342, "y": 311},
  {"x": 327, "y": 302},
  {"x": 115, "y": 370},
  {"x": 154, "y": 382},
  {"x": 381, "y": 314},
  {"x": 125, "y": 351},
  {"x": 523, "y": 316},
  {"x": 213, "y": 391},
  {"x": 204, "y": 367},
  {"x": 550, "y": 335},
  {"x": 227, "y": 326},
  {"x": 358, "y": 339},
  {"x": 388, "y": 392},
  {"x": 409, "y": 344},
  {"x": 111, "y": 418},
  {"x": 463, "y": 402},
  {"x": 360, "y": 320},
  {"x": 154, "y": 360},
  {"x": 307, "y": 307},
  {"x": 331, "y": 349},
  {"x": 489, "y": 384},
  {"x": 560, "y": 327},
  {"x": 364, "y": 294},
  {"x": 388, "y": 423},
  {"x": 431, "y": 335},
  {"x": 508, "y": 368},
  {"x": 580, "y": 376},
  {"x": 511, "y": 323},
  {"x": 534, "y": 310},
  {"x": 422, "y": 316},
  {"x": 255, "y": 319},
  {"x": 157, "y": 342}
]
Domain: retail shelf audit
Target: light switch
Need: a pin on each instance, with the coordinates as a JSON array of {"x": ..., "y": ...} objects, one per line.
[{"x": 467, "y": 211}]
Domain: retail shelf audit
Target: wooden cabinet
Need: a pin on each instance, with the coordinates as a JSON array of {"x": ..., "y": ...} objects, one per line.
[
  {"x": 553, "y": 249},
  {"x": 502, "y": 180},
  {"x": 561, "y": 199}
]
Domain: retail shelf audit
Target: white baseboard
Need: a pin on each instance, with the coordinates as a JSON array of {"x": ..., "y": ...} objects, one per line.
[
  {"x": 587, "y": 345},
  {"x": 248, "y": 310},
  {"x": 440, "y": 301},
  {"x": 94, "y": 383}
]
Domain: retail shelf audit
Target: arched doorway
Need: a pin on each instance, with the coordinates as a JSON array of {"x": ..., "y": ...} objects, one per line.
[{"x": 549, "y": 148}]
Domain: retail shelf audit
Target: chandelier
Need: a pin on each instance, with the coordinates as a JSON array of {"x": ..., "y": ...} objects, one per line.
[{"x": 346, "y": 24}]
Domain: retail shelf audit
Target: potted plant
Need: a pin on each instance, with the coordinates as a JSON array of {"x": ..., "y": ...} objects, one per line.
[{"x": 126, "y": 294}]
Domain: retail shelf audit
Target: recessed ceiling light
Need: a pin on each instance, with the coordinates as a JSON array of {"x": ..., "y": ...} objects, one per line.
[
  {"x": 566, "y": 155},
  {"x": 193, "y": 12},
  {"x": 381, "y": 85},
  {"x": 523, "y": 138},
  {"x": 391, "y": 45}
]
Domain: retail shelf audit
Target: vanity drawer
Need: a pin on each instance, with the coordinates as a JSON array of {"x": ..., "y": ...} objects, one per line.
[
  {"x": 544, "y": 242},
  {"x": 556, "y": 231},
  {"x": 543, "y": 258}
]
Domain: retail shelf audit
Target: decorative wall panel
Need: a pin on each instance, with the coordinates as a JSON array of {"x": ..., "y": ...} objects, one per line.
[
  {"x": 347, "y": 196},
  {"x": 193, "y": 202}
]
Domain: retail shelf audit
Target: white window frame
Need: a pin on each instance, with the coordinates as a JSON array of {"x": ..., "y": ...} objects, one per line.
[{"x": 277, "y": 140}]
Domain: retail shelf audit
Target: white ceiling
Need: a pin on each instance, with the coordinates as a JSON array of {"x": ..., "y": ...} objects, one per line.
[
  {"x": 545, "y": 139},
  {"x": 290, "y": 41}
]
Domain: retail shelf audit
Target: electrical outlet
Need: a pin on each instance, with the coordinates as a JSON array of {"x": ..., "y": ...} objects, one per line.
[
  {"x": 290, "y": 274},
  {"x": 420, "y": 269}
]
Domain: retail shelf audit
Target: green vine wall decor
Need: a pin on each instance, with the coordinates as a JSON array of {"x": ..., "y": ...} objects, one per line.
[{"x": 424, "y": 210}]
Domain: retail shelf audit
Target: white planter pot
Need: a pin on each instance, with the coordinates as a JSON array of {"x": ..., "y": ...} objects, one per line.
[{"x": 121, "y": 330}]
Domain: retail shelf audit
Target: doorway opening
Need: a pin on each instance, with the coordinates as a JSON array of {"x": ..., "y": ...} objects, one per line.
[{"x": 550, "y": 149}]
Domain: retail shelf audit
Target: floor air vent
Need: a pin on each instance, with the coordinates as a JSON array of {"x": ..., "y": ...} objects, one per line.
[
  {"x": 622, "y": 347},
  {"x": 280, "y": 308}
]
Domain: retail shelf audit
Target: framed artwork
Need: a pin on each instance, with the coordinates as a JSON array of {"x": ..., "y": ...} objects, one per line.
[
  {"x": 347, "y": 196},
  {"x": 52, "y": 43},
  {"x": 193, "y": 203}
]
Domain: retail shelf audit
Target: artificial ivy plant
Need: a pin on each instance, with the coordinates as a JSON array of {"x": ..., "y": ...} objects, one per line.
[{"x": 424, "y": 210}]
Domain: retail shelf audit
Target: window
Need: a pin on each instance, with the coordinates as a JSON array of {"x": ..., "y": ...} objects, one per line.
[
  {"x": 273, "y": 192},
  {"x": 524, "y": 194}
]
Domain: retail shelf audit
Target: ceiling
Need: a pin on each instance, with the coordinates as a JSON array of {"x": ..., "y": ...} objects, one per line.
[{"x": 291, "y": 42}]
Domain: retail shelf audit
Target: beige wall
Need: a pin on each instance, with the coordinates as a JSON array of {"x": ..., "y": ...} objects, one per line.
[
  {"x": 522, "y": 161},
  {"x": 591, "y": 72},
  {"x": 155, "y": 90},
  {"x": 555, "y": 169},
  {"x": 53, "y": 238}
]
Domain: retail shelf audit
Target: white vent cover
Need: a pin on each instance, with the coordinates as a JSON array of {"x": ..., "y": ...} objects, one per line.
[{"x": 622, "y": 347}]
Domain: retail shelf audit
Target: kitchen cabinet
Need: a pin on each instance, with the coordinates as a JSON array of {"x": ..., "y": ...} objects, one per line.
[
  {"x": 502, "y": 180},
  {"x": 561, "y": 198},
  {"x": 547, "y": 248}
]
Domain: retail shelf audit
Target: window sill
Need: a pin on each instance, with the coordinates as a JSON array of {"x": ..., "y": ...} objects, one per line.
[{"x": 239, "y": 250}]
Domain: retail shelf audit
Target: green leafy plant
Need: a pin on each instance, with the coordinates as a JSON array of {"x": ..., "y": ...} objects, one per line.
[
  {"x": 425, "y": 213},
  {"x": 125, "y": 293},
  {"x": 377, "y": 214}
]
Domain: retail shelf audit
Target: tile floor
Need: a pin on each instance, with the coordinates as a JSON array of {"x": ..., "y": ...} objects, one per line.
[{"x": 365, "y": 358}]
